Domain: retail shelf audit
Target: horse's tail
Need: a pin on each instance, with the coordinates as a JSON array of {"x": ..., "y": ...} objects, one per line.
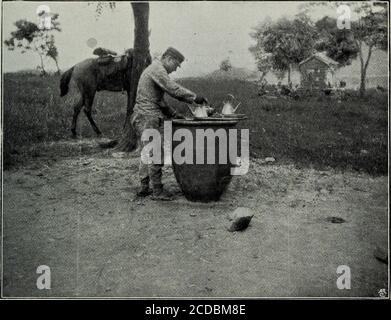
[{"x": 64, "y": 81}]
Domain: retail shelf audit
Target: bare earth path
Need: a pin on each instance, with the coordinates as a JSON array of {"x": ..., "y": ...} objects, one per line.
[{"x": 78, "y": 216}]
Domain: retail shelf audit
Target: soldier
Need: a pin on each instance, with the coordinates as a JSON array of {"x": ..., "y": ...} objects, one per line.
[{"x": 150, "y": 111}]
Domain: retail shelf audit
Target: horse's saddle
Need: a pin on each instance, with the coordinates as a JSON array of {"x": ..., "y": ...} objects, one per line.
[
  {"x": 101, "y": 52},
  {"x": 111, "y": 69}
]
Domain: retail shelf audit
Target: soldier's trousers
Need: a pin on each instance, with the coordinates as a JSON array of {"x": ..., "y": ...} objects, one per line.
[{"x": 149, "y": 172}]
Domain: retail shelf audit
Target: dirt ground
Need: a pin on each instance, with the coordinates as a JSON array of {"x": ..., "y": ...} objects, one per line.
[{"x": 78, "y": 215}]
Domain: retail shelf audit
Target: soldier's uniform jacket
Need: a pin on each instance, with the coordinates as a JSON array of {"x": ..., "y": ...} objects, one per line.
[{"x": 154, "y": 82}]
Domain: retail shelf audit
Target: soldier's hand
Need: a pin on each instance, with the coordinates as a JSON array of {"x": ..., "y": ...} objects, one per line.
[
  {"x": 179, "y": 116},
  {"x": 211, "y": 111},
  {"x": 200, "y": 100}
]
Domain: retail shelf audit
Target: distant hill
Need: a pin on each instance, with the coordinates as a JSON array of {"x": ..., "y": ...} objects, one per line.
[{"x": 234, "y": 73}]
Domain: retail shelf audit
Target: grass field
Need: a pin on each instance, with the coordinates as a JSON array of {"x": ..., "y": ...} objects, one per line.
[{"x": 316, "y": 132}]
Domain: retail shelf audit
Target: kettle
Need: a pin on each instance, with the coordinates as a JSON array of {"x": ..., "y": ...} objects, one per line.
[
  {"x": 228, "y": 108},
  {"x": 200, "y": 111}
]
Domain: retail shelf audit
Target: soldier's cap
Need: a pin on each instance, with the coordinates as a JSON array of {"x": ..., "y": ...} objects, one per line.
[{"x": 175, "y": 54}]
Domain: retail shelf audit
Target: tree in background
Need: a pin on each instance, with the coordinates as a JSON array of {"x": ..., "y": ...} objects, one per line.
[
  {"x": 284, "y": 43},
  {"x": 226, "y": 65},
  {"x": 368, "y": 30},
  {"x": 263, "y": 59},
  {"x": 338, "y": 44},
  {"x": 263, "y": 62},
  {"x": 30, "y": 37},
  {"x": 52, "y": 52}
]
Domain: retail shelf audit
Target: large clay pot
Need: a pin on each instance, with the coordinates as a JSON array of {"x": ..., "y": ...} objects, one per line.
[{"x": 203, "y": 182}]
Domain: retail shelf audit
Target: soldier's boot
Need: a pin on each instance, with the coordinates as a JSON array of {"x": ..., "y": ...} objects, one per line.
[
  {"x": 161, "y": 194},
  {"x": 144, "y": 191}
]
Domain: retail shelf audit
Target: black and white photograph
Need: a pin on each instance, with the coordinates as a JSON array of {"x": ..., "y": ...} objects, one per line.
[{"x": 195, "y": 150}]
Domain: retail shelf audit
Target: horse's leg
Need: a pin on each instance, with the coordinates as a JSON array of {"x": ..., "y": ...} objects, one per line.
[
  {"x": 87, "y": 110},
  {"x": 76, "y": 111}
]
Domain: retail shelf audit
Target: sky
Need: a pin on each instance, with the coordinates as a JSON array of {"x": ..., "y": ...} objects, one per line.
[{"x": 205, "y": 32}]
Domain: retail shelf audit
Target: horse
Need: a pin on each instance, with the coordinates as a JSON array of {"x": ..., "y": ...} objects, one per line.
[{"x": 96, "y": 74}]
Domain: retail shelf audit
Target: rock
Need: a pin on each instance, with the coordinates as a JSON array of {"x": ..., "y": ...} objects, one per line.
[
  {"x": 295, "y": 203},
  {"x": 118, "y": 154},
  {"x": 334, "y": 219},
  {"x": 323, "y": 191},
  {"x": 270, "y": 159},
  {"x": 381, "y": 255},
  {"x": 87, "y": 162},
  {"x": 241, "y": 218}
]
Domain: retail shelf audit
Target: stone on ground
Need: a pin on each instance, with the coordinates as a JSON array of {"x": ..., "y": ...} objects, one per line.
[
  {"x": 240, "y": 218},
  {"x": 381, "y": 254}
]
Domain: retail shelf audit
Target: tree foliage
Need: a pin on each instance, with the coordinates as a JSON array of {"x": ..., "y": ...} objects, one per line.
[
  {"x": 338, "y": 44},
  {"x": 52, "y": 51},
  {"x": 370, "y": 29},
  {"x": 263, "y": 59},
  {"x": 28, "y": 36},
  {"x": 284, "y": 43},
  {"x": 101, "y": 6}
]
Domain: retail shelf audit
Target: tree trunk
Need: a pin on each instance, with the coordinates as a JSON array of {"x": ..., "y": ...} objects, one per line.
[
  {"x": 263, "y": 74},
  {"x": 362, "y": 82},
  {"x": 364, "y": 68},
  {"x": 42, "y": 66},
  {"x": 128, "y": 140},
  {"x": 58, "y": 68}
]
